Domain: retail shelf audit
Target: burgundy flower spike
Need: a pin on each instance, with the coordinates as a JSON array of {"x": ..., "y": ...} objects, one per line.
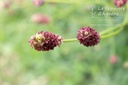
[
  {"x": 120, "y": 3},
  {"x": 88, "y": 36},
  {"x": 45, "y": 41}
]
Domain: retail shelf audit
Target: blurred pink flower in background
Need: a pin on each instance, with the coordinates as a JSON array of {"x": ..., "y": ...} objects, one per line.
[
  {"x": 120, "y": 3},
  {"x": 38, "y": 2},
  {"x": 113, "y": 59},
  {"x": 40, "y": 19},
  {"x": 6, "y": 4}
]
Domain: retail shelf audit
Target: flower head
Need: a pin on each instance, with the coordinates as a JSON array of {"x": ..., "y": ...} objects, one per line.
[
  {"x": 120, "y": 3},
  {"x": 38, "y": 2},
  {"x": 88, "y": 36},
  {"x": 45, "y": 41}
]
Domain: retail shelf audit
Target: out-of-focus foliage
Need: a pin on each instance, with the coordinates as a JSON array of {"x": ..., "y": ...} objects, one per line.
[{"x": 69, "y": 64}]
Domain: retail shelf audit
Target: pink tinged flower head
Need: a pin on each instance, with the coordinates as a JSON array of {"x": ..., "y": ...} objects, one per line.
[
  {"x": 113, "y": 59},
  {"x": 45, "y": 41},
  {"x": 40, "y": 19},
  {"x": 88, "y": 36},
  {"x": 38, "y": 2},
  {"x": 120, "y": 3}
]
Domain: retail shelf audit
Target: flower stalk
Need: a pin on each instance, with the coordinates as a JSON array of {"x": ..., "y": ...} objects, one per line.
[
  {"x": 120, "y": 26},
  {"x": 70, "y": 40}
]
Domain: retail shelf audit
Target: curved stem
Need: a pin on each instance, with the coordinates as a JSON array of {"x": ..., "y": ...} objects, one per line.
[
  {"x": 109, "y": 30},
  {"x": 112, "y": 29},
  {"x": 112, "y": 33},
  {"x": 118, "y": 26}
]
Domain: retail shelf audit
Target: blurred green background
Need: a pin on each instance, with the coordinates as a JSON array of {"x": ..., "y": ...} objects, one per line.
[{"x": 71, "y": 63}]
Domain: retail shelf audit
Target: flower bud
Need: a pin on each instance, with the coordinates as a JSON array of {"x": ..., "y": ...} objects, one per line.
[
  {"x": 45, "y": 41},
  {"x": 88, "y": 36}
]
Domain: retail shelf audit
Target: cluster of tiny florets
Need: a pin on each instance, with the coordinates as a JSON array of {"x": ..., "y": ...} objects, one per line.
[
  {"x": 45, "y": 41},
  {"x": 88, "y": 36}
]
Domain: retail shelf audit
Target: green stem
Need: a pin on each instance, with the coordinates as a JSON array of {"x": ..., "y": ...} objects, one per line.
[
  {"x": 112, "y": 33},
  {"x": 114, "y": 28},
  {"x": 70, "y": 40},
  {"x": 118, "y": 26}
]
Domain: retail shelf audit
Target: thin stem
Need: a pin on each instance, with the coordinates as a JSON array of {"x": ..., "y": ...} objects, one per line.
[
  {"x": 109, "y": 30},
  {"x": 112, "y": 29},
  {"x": 116, "y": 27},
  {"x": 112, "y": 33},
  {"x": 70, "y": 40}
]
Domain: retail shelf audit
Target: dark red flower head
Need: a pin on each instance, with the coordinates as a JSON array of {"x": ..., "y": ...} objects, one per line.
[
  {"x": 120, "y": 3},
  {"x": 45, "y": 41},
  {"x": 38, "y": 2},
  {"x": 88, "y": 36}
]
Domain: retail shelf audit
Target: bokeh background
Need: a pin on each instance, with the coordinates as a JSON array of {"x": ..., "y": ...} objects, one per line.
[{"x": 71, "y": 63}]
